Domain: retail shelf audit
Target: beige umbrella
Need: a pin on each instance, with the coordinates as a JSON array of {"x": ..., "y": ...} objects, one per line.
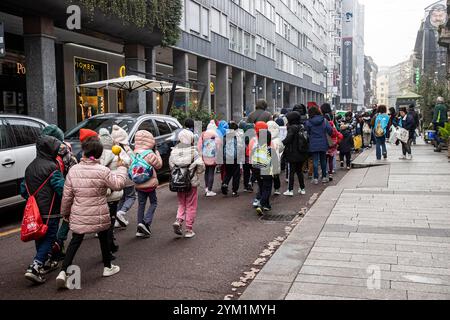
[{"x": 128, "y": 83}]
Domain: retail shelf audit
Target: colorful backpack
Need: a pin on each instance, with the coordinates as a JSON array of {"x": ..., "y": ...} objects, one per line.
[
  {"x": 140, "y": 171},
  {"x": 261, "y": 158},
  {"x": 379, "y": 131},
  {"x": 209, "y": 148}
]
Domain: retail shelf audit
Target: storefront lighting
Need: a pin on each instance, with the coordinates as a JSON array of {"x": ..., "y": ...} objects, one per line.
[{"x": 94, "y": 49}]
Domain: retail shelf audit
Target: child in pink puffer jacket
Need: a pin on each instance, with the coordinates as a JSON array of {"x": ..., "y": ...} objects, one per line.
[{"x": 145, "y": 145}]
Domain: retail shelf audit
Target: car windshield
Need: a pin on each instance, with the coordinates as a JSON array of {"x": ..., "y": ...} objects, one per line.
[{"x": 97, "y": 123}]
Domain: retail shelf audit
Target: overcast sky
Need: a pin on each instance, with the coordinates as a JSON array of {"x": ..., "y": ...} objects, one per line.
[{"x": 391, "y": 28}]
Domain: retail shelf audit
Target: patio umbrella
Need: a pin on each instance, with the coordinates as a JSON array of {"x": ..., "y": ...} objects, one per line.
[
  {"x": 128, "y": 83},
  {"x": 167, "y": 87}
]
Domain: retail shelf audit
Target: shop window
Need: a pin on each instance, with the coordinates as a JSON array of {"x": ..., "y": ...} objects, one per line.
[{"x": 90, "y": 101}]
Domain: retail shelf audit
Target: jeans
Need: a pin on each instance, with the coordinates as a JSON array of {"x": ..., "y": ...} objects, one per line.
[
  {"x": 142, "y": 201},
  {"x": 233, "y": 171},
  {"x": 406, "y": 147},
  {"x": 265, "y": 187},
  {"x": 209, "y": 177},
  {"x": 75, "y": 244},
  {"x": 187, "y": 207},
  {"x": 381, "y": 145},
  {"x": 45, "y": 244},
  {"x": 128, "y": 199},
  {"x": 319, "y": 156},
  {"x": 296, "y": 168}
]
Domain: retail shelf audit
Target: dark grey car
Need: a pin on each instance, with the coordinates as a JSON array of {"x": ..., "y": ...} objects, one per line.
[{"x": 164, "y": 129}]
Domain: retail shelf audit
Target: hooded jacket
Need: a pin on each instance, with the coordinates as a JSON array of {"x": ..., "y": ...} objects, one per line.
[
  {"x": 337, "y": 137},
  {"x": 317, "y": 129},
  {"x": 259, "y": 115},
  {"x": 84, "y": 200},
  {"x": 276, "y": 145},
  {"x": 183, "y": 155},
  {"x": 66, "y": 158},
  {"x": 109, "y": 160},
  {"x": 144, "y": 141},
  {"x": 209, "y": 134},
  {"x": 291, "y": 141},
  {"x": 38, "y": 171},
  {"x": 222, "y": 128}
]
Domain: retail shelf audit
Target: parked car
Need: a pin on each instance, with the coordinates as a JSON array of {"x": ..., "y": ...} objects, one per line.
[
  {"x": 18, "y": 135},
  {"x": 164, "y": 128}
]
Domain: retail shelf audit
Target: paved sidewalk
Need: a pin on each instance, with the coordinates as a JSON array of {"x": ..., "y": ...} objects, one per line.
[{"x": 382, "y": 233}]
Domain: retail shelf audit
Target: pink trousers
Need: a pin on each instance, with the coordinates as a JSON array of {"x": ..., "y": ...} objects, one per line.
[{"x": 187, "y": 206}]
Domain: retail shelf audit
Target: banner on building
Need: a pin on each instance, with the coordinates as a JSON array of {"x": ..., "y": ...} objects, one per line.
[
  {"x": 2, "y": 41},
  {"x": 347, "y": 67}
]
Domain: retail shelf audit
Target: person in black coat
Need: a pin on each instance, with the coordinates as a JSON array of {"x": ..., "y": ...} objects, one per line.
[
  {"x": 346, "y": 145},
  {"x": 296, "y": 151}
]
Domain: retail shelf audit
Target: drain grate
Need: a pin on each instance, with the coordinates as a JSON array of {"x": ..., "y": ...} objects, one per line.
[{"x": 284, "y": 216}]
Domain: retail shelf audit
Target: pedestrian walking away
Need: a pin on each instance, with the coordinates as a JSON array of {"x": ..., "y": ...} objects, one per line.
[
  {"x": 318, "y": 129},
  {"x": 380, "y": 131},
  {"x": 346, "y": 144},
  {"x": 233, "y": 157},
  {"x": 407, "y": 122},
  {"x": 208, "y": 147},
  {"x": 336, "y": 137},
  {"x": 145, "y": 148},
  {"x": 185, "y": 155},
  {"x": 440, "y": 118},
  {"x": 45, "y": 182},
  {"x": 84, "y": 204}
]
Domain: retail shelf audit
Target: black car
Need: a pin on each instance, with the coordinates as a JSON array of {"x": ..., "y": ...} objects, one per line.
[{"x": 164, "y": 129}]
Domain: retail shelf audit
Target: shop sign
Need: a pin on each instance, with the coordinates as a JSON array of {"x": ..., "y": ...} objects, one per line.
[
  {"x": 122, "y": 71},
  {"x": 20, "y": 68},
  {"x": 211, "y": 87},
  {"x": 2, "y": 41},
  {"x": 85, "y": 66}
]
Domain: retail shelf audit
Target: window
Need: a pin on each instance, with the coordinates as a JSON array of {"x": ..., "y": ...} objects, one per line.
[
  {"x": 173, "y": 126},
  {"x": 224, "y": 25},
  {"x": 183, "y": 13},
  {"x": 247, "y": 44},
  {"x": 205, "y": 23},
  {"x": 193, "y": 12},
  {"x": 5, "y": 141},
  {"x": 26, "y": 132},
  {"x": 215, "y": 20},
  {"x": 162, "y": 127},
  {"x": 149, "y": 126},
  {"x": 233, "y": 37}
]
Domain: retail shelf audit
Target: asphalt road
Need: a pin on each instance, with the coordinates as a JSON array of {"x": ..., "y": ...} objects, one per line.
[{"x": 230, "y": 237}]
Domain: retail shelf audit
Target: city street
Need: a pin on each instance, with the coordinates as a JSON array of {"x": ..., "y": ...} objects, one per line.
[{"x": 230, "y": 237}]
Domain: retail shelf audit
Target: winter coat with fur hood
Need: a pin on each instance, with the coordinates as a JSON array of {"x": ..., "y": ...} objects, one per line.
[{"x": 109, "y": 160}]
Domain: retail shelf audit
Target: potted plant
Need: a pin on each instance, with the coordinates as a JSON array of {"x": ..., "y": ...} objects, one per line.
[{"x": 445, "y": 135}]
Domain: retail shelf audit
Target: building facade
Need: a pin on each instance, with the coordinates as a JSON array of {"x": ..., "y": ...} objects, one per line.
[
  {"x": 370, "y": 82},
  {"x": 245, "y": 50},
  {"x": 352, "y": 83},
  {"x": 383, "y": 86}
]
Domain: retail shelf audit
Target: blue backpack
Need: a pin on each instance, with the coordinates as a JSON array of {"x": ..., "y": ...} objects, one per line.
[{"x": 140, "y": 171}]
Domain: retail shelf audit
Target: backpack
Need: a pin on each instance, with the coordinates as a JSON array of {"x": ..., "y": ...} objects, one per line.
[
  {"x": 180, "y": 179},
  {"x": 231, "y": 150},
  {"x": 379, "y": 131},
  {"x": 209, "y": 148},
  {"x": 140, "y": 171},
  {"x": 302, "y": 140},
  {"x": 32, "y": 227},
  {"x": 261, "y": 158}
]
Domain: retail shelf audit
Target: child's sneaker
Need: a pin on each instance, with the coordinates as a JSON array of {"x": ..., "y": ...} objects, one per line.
[
  {"x": 49, "y": 266},
  {"x": 61, "y": 280},
  {"x": 120, "y": 218},
  {"x": 211, "y": 194},
  {"x": 259, "y": 211},
  {"x": 256, "y": 203},
  {"x": 177, "y": 228},
  {"x": 267, "y": 209},
  {"x": 224, "y": 189},
  {"x": 289, "y": 193},
  {"x": 330, "y": 177},
  {"x": 302, "y": 191},
  {"x": 108, "y": 272},
  {"x": 139, "y": 234},
  {"x": 34, "y": 274},
  {"x": 235, "y": 194},
  {"x": 316, "y": 181},
  {"x": 189, "y": 233},
  {"x": 145, "y": 229}
]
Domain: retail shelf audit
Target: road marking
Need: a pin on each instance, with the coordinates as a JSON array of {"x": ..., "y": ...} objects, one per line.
[{"x": 6, "y": 233}]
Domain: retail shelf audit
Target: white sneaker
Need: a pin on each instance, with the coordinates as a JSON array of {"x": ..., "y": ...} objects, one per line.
[
  {"x": 189, "y": 234},
  {"x": 211, "y": 194},
  {"x": 117, "y": 224},
  {"x": 256, "y": 203},
  {"x": 206, "y": 191},
  {"x": 277, "y": 192},
  {"x": 108, "y": 272},
  {"x": 315, "y": 181},
  {"x": 409, "y": 157},
  {"x": 302, "y": 191},
  {"x": 289, "y": 193},
  {"x": 123, "y": 222},
  {"x": 61, "y": 280}
]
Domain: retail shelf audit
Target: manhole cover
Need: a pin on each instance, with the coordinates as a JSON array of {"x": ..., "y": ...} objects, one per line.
[{"x": 286, "y": 216}]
